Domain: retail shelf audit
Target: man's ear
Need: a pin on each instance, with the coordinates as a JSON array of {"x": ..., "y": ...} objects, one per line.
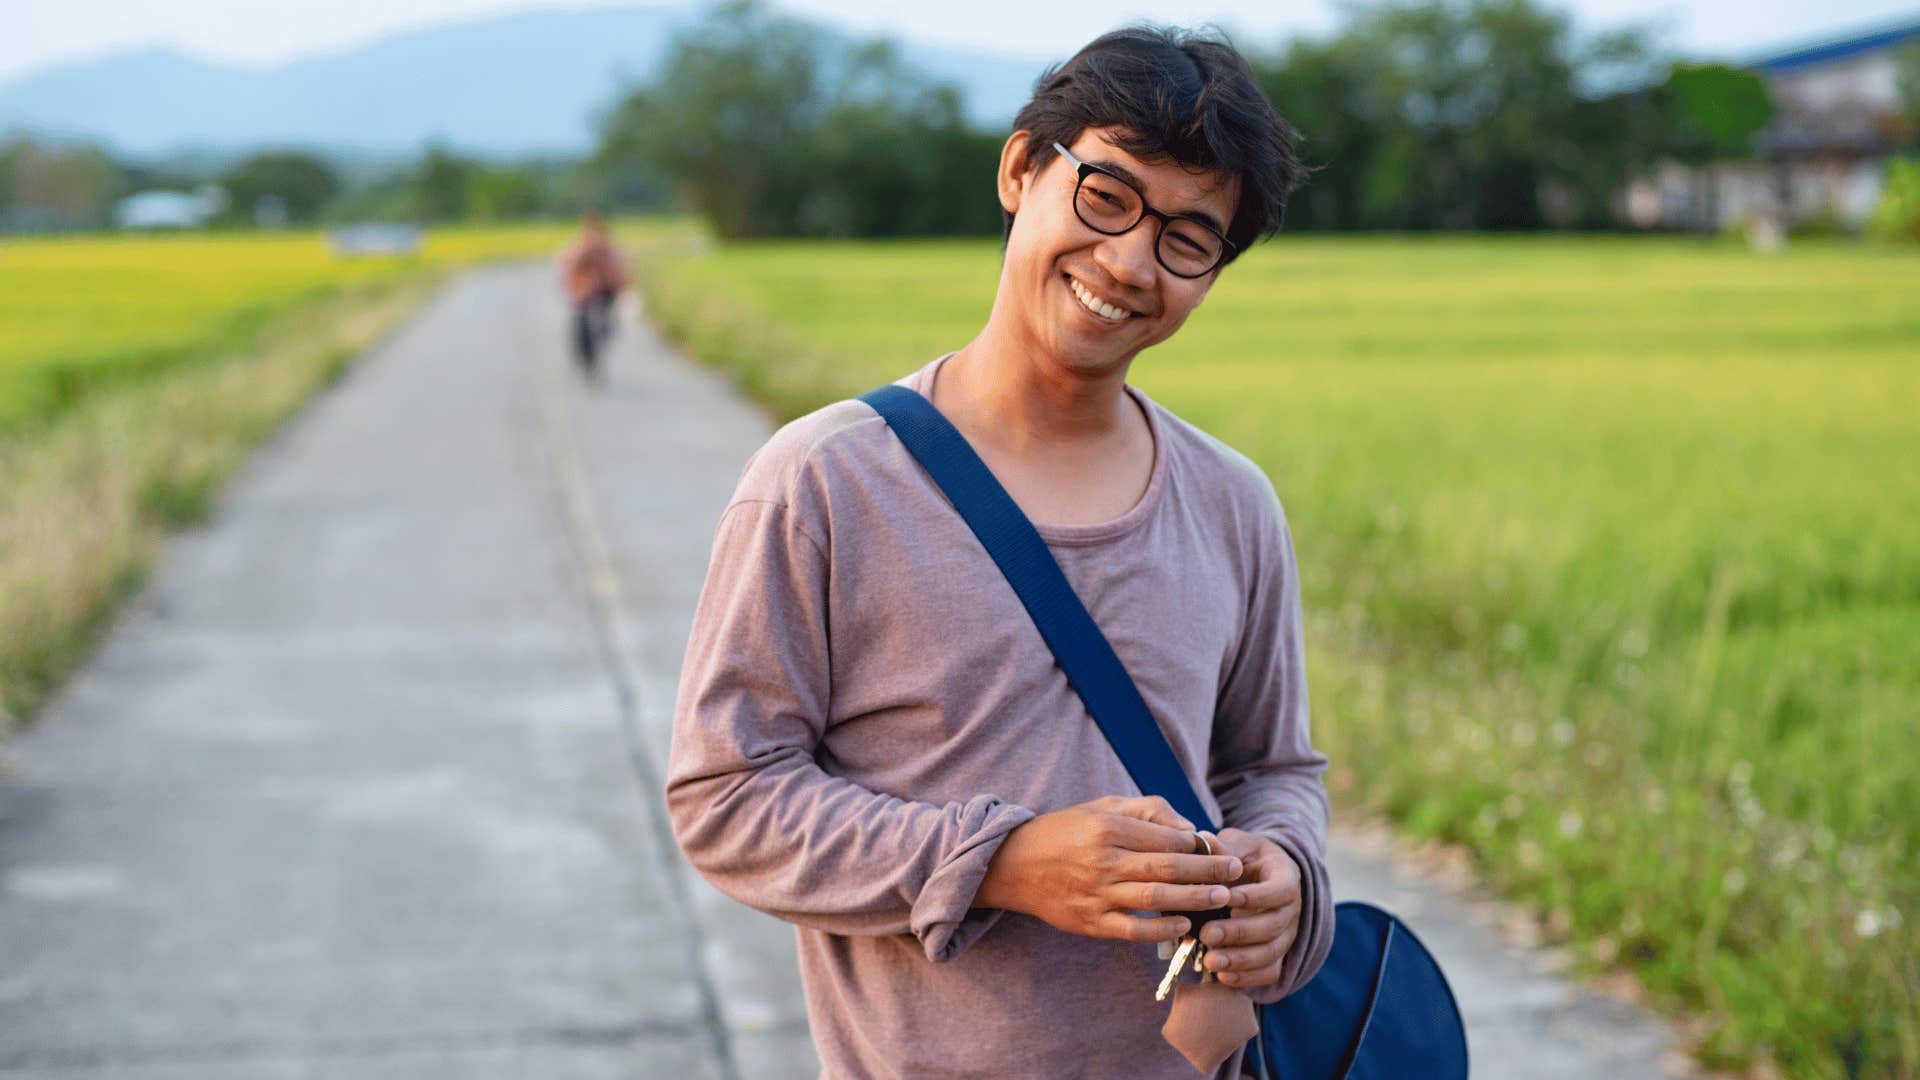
[{"x": 1015, "y": 167}]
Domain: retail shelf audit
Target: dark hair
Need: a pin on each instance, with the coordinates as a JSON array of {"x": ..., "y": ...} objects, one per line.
[{"x": 1176, "y": 94}]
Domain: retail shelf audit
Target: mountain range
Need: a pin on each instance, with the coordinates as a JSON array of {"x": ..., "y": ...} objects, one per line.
[{"x": 519, "y": 84}]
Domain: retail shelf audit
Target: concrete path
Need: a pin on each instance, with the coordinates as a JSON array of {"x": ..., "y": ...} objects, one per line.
[{"x": 365, "y": 784}]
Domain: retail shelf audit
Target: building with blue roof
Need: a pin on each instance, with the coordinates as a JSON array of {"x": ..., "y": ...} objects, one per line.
[{"x": 1837, "y": 120}]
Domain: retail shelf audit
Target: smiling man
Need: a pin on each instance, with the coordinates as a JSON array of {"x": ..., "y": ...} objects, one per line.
[{"x": 873, "y": 742}]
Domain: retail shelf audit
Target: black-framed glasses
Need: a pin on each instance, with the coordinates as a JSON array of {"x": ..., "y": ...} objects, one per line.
[{"x": 1187, "y": 247}]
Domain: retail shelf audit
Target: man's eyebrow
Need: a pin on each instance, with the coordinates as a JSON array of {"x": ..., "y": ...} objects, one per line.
[{"x": 1127, "y": 174}]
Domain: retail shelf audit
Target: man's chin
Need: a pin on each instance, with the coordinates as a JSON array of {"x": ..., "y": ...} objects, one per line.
[{"x": 1090, "y": 355}]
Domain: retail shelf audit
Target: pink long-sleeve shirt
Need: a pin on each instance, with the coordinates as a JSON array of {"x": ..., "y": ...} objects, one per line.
[{"x": 866, "y": 710}]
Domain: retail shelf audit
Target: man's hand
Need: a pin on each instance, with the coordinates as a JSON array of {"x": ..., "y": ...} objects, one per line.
[
  {"x": 1085, "y": 869},
  {"x": 1246, "y": 948}
]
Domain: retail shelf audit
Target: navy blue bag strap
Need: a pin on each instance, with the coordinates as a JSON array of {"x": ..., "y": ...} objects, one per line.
[{"x": 1083, "y": 651}]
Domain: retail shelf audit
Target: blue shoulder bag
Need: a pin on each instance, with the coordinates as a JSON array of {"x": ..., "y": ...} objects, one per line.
[{"x": 1379, "y": 1007}]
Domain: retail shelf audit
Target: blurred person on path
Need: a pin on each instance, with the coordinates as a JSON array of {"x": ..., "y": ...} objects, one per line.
[
  {"x": 873, "y": 742},
  {"x": 593, "y": 270}
]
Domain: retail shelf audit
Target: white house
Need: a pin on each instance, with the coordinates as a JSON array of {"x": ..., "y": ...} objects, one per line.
[
  {"x": 1836, "y": 122},
  {"x": 169, "y": 209}
]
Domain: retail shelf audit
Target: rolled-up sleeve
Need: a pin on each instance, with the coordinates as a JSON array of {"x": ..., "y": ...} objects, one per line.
[
  {"x": 1265, "y": 771},
  {"x": 750, "y": 805}
]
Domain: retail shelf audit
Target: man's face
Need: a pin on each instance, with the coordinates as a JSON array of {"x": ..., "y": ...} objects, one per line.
[{"x": 1053, "y": 258}]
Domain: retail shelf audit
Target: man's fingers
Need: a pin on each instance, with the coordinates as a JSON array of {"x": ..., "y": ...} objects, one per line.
[
  {"x": 1247, "y": 929},
  {"x": 1136, "y": 834},
  {"x": 1125, "y": 927},
  {"x": 1182, "y": 869},
  {"x": 1151, "y": 808},
  {"x": 1248, "y": 957},
  {"x": 1251, "y": 947},
  {"x": 1265, "y": 895},
  {"x": 1261, "y": 976},
  {"x": 1240, "y": 842},
  {"x": 1159, "y": 896}
]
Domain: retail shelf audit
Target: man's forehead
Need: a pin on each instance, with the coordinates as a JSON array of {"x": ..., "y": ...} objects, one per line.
[{"x": 1182, "y": 186}]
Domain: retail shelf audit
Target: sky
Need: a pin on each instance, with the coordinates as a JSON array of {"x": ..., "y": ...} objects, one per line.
[{"x": 43, "y": 33}]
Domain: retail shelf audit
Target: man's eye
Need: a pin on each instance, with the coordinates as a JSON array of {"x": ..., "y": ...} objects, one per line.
[{"x": 1107, "y": 197}]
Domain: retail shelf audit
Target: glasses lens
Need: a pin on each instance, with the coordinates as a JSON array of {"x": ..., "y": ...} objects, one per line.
[
  {"x": 1190, "y": 248},
  {"x": 1106, "y": 204}
]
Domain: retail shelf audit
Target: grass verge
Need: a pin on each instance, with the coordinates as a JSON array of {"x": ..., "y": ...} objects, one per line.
[{"x": 87, "y": 496}]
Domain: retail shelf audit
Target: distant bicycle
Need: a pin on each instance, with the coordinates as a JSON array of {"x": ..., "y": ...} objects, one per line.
[
  {"x": 593, "y": 271},
  {"x": 593, "y": 326}
]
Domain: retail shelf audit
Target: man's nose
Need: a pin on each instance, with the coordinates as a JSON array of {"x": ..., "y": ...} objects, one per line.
[{"x": 1128, "y": 258}]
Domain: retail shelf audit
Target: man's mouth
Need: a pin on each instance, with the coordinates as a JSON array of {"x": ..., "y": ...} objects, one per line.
[{"x": 1097, "y": 305}]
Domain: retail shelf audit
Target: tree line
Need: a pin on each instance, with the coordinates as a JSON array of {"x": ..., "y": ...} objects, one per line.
[
  {"x": 1418, "y": 114},
  {"x": 769, "y": 126},
  {"x": 49, "y": 186}
]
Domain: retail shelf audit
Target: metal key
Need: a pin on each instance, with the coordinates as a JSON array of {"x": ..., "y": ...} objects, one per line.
[
  {"x": 1200, "y": 963},
  {"x": 1188, "y": 946}
]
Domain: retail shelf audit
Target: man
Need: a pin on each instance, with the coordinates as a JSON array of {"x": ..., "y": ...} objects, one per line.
[
  {"x": 593, "y": 271},
  {"x": 871, "y": 739}
]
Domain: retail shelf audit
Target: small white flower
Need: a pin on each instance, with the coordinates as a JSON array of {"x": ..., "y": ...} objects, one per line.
[
  {"x": 1570, "y": 824},
  {"x": 1633, "y": 643},
  {"x": 1867, "y": 923}
]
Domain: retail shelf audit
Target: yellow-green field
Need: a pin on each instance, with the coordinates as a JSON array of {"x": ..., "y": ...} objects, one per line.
[
  {"x": 135, "y": 374},
  {"x": 76, "y": 314},
  {"x": 1612, "y": 556}
]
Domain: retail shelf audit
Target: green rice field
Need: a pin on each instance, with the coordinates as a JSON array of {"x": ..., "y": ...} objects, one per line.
[
  {"x": 1612, "y": 560},
  {"x": 77, "y": 314},
  {"x": 82, "y": 312}
]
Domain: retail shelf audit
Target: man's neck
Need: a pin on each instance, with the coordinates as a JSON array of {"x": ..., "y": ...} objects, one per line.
[{"x": 1029, "y": 404}]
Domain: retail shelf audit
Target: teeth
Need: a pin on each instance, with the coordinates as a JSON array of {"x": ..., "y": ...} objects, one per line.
[{"x": 1094, "y": 303}]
